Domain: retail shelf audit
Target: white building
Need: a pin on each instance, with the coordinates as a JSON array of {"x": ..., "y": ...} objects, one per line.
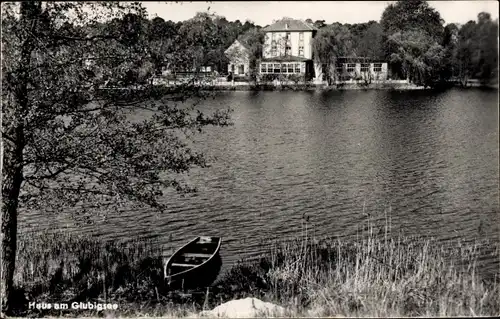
[
  {"x": 288, "y": 48},
  {"x": 239, "y": 58}
]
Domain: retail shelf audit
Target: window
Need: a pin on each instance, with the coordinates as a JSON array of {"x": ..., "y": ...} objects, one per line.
[
  {"x": 351, "y": 67},
  {"x": 274, "y": 45},
  {"x": 269, "y": 68},
  {"x": 263, "y": 67},
  {"x": 290, "y": 68},
  {"x": 377, "y": 67},
  {"x": 297, "y": 67},
  {"x": 301, "y": 51},
  {"x": 301, "y": 44},
  {"x": 277, "y": 68},
  {"x": 241, "y": 69},
  {"x": 365, "y": 67},
  {"x": 283, "y": 68},
  {"x": 339, "y": 69}
]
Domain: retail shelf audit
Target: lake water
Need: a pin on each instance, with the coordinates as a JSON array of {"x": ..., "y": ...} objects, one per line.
[{"x": 426, "y": 161}]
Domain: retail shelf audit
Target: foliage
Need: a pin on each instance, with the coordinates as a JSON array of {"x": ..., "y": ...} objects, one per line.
[
  {"x": 70, "y": 142},
  {"x": 450, "y": 65},
  {"x": 162, "y": 39},
  {"x": 419, "y": 47},
  {"x": 369, "y": 44},
  {"x": 411, "y": 29},
  {"x": 477, "y": 49},
  {"x": 412, "y": 15},
  {"x": 294, "y": 78},
  {"x": 417, "y": 57},
  {"x": 330, "y": 43},
  {"x": 204, "y": 38},
  {"x": 254, "y": 39}
]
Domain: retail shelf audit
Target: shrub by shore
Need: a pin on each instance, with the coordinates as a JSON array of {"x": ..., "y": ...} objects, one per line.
[{"x": 373, "y": 276}]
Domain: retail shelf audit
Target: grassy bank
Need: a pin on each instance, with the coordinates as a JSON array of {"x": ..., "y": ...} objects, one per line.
[{"x": 372, "y": 276}]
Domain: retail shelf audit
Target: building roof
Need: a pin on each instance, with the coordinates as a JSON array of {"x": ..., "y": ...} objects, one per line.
[
  {"x": 244, "y": 45},
  {"x": 242, "y": 39},
  {"x": 288, "y": 24}
]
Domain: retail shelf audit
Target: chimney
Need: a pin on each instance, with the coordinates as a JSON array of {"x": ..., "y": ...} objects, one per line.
[{"x": 286, "y": 26}]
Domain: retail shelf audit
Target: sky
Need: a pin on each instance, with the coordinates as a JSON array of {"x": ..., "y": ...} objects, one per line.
[{"x": 264, "y": 12}]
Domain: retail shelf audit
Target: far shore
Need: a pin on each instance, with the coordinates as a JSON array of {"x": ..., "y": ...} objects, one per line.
[{"x": 402, "y": 85}]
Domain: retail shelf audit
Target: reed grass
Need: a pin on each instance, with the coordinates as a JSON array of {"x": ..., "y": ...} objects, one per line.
[{"x": 376, "y": 275}]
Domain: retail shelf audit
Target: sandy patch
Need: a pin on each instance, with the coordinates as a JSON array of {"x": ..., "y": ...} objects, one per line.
[{"x": 245, "y": 308}]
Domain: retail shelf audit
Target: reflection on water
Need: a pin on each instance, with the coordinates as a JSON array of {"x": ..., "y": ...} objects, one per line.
[{"x": 428, "y": 160}]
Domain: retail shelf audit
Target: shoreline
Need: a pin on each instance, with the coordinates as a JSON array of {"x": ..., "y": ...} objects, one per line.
[
  {"x": 395, "y": 85},
  {"x": 373, "y": 275}
]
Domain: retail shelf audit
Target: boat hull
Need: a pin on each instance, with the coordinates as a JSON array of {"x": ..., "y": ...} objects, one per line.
[
  {"x": 200, "y": 277},
  {"x": 203, "y": 274}
]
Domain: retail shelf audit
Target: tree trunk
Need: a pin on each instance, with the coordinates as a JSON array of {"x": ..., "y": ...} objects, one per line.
[
  {"x": 318, "y": 71},
  {"x": 10, "y": 195},
  {"x": 13, "y": 152}
]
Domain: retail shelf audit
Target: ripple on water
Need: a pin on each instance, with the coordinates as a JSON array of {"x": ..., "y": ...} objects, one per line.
[{"x": 431, "y": 157}]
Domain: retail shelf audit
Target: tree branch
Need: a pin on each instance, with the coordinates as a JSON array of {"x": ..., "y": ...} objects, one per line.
[{"x": 53, "y": 174}]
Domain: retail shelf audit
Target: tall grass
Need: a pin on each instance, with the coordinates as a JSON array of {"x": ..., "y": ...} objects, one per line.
[
  {"x": 59, "y": 267},
  {"x": 381, "y": 275},
  {"x": 375, "y": 275}
]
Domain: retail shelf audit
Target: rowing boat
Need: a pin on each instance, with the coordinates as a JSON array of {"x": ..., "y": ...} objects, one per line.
[{"x": 196, "y": 264}]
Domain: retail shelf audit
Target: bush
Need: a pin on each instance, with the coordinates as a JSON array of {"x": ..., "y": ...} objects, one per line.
[{"x": 294, "y": 78}]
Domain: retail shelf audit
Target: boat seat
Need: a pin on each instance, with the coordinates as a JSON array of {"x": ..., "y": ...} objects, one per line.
[
  {"x": 196, "y": 255},
  {"x": 183, "y": 265}
]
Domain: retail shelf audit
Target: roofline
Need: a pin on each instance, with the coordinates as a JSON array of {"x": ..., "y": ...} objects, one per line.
[
  {"x": 309, "y": 27},
  {"x": 244, "y": 47},
  {"x": 297, "y": 30},
  {"x": 242, "y": 44}
]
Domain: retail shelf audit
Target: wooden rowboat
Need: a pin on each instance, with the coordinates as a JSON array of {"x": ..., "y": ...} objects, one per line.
[{"x": 195, "y": 265}]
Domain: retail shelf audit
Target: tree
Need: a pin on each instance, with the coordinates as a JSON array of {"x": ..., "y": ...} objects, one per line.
[
  {"x": 69, "y": 143},
  {"x": 466, "y": 48},
  {"x": 319, "y": 24},
  {"x": 487, "y": 57},
  {"x": 450, "y": 66},
  {"x": 416, "y": 56},
  {"x": 370, "y": 43},
  {"x": 203, "y": 40},
  {"x": 161, "y": 38},
  {"x": 409, "y": 18},
  {"x": 476, "y": 50},
  {"x": 254, "y": 41},
  {"x": 412, "y": 15},
  {"x": 330, "y": 43}
]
